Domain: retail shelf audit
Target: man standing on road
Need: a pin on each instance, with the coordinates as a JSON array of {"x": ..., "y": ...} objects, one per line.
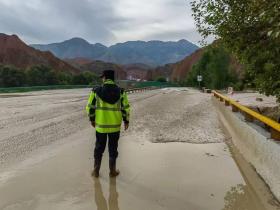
[{"x": 107, "y": 106}]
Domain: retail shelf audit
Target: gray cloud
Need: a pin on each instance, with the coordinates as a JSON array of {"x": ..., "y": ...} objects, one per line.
[{"x": 106, "y": 21}]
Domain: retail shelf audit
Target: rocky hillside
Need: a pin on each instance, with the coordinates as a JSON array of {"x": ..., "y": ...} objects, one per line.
[
  {"x": 137, "y": 71},
  {"x": 14, "y": 51},
  {"x": 142, "y": 72},
  {"x": 161, "y": 71},
  {"x": 182, "y": 68},
  {"x": 97, "y": 67},
  {"x": 154, "y": 53}
]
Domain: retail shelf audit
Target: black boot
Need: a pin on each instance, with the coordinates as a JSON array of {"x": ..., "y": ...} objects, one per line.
[
  {"x": 97, "y": 164},
  {"x": 112, "y": 166}
]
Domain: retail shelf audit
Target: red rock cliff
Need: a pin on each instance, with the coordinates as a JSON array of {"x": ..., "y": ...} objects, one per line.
[{"x": 15, "y": 52}]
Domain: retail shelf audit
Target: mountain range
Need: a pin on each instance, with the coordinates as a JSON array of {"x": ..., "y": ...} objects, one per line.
[
  {"x": 153, "y": 53},
  {"x": 97, "y": 67},
  {"x": 13, "y": 51}
]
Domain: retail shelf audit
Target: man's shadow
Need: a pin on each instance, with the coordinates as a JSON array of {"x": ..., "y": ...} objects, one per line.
[{"x": 100, "y": 200}]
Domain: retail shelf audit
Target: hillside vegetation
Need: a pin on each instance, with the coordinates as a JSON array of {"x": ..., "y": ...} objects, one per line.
[
  {"x": 251, "y": 31},
  {"x": 40, "y": 75},
  {"x": 216, "y": 70}
]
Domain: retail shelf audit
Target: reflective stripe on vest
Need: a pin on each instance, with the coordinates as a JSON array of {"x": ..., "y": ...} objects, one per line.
[
  {"x": 108, "y": 109},
  {"x": 108, "y": 126}
]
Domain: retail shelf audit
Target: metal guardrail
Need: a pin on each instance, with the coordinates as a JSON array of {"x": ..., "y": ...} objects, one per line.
[{"x": 251, "y": 115}]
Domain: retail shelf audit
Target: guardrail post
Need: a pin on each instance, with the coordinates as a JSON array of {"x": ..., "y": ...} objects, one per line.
[
  {"x": 234, "y": 108},
  {"x": 227, "y": 103},
  {"x": 221, "y": 99},
  {"x": 275, "y": 134},
  {"x": 248, "y": 117}
]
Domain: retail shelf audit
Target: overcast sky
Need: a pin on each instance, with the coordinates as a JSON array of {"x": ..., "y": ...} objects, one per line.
[{"x": 104, "y": 21}]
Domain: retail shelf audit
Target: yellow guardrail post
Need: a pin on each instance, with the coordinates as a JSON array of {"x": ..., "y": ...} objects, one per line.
[
  {"x": 251, "y": 115},
  {"x": 234, "y": 108},
  {"x": 227, "y": 103},
  {"x": 275, "y": 134}
]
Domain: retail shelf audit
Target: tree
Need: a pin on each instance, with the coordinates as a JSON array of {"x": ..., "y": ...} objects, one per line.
[
  {"x": 161, "y": 79},
  {"x": 41, "y": 75},
  {"x": 91, "y": 78},
  {"x": 250, "y": 30},
  {"x": 79, "y": 79},
  {"x": 214, "y": 66},
  {"x": 64, "y": 78},
  {"x": 11, "y": 77}
]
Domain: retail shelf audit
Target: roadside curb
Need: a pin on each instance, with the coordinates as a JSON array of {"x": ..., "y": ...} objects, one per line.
[{"x": 254, "y": 144}]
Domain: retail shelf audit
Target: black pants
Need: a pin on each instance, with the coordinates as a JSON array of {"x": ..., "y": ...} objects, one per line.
[{"x": 100, "y": 145}]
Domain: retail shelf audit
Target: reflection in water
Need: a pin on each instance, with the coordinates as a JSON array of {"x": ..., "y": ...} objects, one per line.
[
  {"x": 113, "y": 195},
  {"x": 242, "y": 198},
  {"x": 100, "y": 200}
]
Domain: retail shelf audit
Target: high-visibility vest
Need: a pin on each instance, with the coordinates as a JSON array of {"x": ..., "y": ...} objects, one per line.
[{"x": 108, "y": 117}]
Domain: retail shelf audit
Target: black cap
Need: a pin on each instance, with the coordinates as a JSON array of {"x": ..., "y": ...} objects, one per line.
[{"x": 108, "y": 74}]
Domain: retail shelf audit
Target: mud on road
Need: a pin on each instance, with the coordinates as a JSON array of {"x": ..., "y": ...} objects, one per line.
[
  {"x": 46, "y": 154},
  {"x": 177, "y": 115},
  {"x": 34, "y": 120},
  {"x": 30, "y": 122}
]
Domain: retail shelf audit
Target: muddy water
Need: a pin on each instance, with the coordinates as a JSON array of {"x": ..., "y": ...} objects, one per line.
[{"x": 153, "y": 176}]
